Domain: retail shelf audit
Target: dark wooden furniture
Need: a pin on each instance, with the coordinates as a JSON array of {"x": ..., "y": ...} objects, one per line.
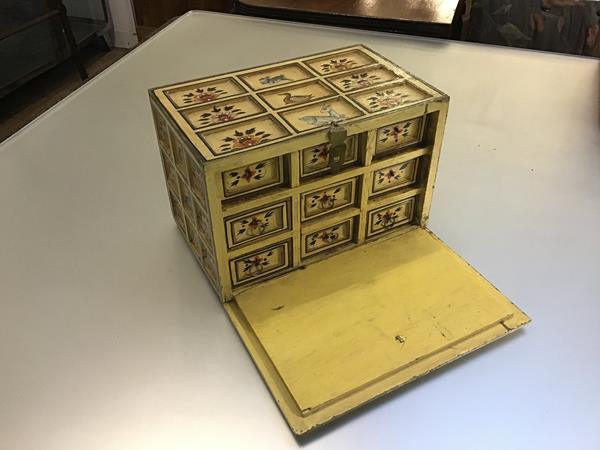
[
  {"x": 436, "y": 18},
  {"x": 155, "y": 13},
  {"x": 36, "y": 35}
]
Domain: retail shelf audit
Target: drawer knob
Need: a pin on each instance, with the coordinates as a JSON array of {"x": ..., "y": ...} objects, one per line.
[{"x": 337, "y": 151}]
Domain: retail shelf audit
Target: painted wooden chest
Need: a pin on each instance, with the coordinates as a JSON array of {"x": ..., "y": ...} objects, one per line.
[{"x": 324, "y": 163}]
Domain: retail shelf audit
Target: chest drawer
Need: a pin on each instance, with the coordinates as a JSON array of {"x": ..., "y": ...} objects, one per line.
[
  {"x": 257, "y": 224},
  {"x": 398, "y": 136},
  {"x": 315, "y": 160},
  {"x": 395, "y": 176},
  {"x": 325, "y": 200},
  {"x": 389, "y": 217},
  {"x": 326, "y": 238},
  {"x": 253, "y": 177},
  {"x": 259, "y": 264}
]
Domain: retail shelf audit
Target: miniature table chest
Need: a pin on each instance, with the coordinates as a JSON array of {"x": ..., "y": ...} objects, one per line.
[{"x": 324, "y": 163}]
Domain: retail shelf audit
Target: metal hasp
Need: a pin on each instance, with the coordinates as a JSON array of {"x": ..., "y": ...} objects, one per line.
[{"x": 337, "y": 151}]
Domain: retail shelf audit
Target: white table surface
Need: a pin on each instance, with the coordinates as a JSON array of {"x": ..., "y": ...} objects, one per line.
[{"x": 110, "y": 337}]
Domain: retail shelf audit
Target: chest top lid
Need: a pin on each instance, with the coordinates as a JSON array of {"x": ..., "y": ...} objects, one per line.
[{"x": 271, "y": 104}]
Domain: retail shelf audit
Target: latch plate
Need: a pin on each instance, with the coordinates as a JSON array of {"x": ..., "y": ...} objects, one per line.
[{"x": 337, "y": 150}]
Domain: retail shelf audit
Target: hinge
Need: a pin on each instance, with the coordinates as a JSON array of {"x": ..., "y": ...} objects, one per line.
[{"x": 337, "y": 149}]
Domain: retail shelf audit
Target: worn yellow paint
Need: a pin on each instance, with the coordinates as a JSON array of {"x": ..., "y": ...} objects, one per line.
[
  {"x": 358, "y": 324},
  {"x": 350, "y": 326}
]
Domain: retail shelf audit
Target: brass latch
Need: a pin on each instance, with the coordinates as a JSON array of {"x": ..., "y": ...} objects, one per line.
[{"x": 337, "y": 149}]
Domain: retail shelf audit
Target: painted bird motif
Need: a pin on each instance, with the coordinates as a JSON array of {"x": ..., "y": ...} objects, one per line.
[
  {"x": 290, "y": 99},
  {"x": 273, "y": 80},
  {"x": 331, "y": 117}
]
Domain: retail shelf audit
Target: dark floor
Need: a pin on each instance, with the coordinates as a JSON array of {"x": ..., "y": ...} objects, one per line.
[{"x": 27, "y": 102}]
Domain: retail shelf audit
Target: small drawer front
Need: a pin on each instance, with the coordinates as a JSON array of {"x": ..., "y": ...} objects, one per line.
[
  {"x": 399, "y": 135},
  {"x": 390, "y": 216},
  {"x": 253, "y": 177},
  {"x": 325, "y": 200},
  {"x": 326, "y": 238},
  {"x": 257, "y": 225},
  {"x": 315, "y": 160},
  {"x": 186, "y": 199},
  {"x": 259, "y": 264},
  {"x": 396, "y": 176}
]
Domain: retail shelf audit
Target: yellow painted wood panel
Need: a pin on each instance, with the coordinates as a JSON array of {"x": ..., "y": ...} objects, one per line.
[
  {"x": 362, "y": 79},
  {"x": 297, "y": 94},
  {"x": 349, "y": 320},
  {"x": 386, "y": 218},
  {"x": 252, "y": 177},
  {"x": 340, "y": 62},
  {"x": 257, "y": 224},
  {"x": 198, "y": 107},
  {"x": 326, "y": 200},
  {"x": 315, "y": 160},
  {"x": 327, "y": 238},
  {"x": 203, "y": 92},
  {"x": 259, "y": 264},
  {"x": 390, "y": 97},
  {"x": 215, "y": 114}
]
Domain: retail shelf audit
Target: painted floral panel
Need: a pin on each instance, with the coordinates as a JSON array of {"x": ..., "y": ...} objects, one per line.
[
  {"x": 389, "y": 217},
  {"x": 326, "y": 200},
  {"x": 221, "y": 112},
  {"x": 162, "y": 133},
  {"x": 206, "y": 92},
  {"x": 315, "y": 160},
  {"x": 390, "y": 97},
  {"x": 203, "y": 223},
  {"x": 340, "y": 62},
  {"x": 321, "y": 114},
  {"x": 259, "y": 264},
  {"x": 196, "y": 177},
  {"x": 195, "y": 242},
  {"x": 296, "y": 95},
  {"x": 362, "y": 79},
  {"x": 328, "y": 237},
  {"x": 252, "y": 177},
  {"x": 243, "y": 136},
  {"x": 399, "y": 135},
  {"x": 176, "y": 208},
  {"x": 276, "y": 76},
  {"x": 257, "y": 225},
  {"x": 178, "y": 154},
  {"x": 170, "y": 174},
  {"x": 186, "y": 199},
  {"x": 395, "y": 176}
]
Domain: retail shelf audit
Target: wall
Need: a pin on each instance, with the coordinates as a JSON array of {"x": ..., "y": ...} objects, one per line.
[
  {"x": 124, "y": 23},
  {"x": 125, "y": 35}
]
